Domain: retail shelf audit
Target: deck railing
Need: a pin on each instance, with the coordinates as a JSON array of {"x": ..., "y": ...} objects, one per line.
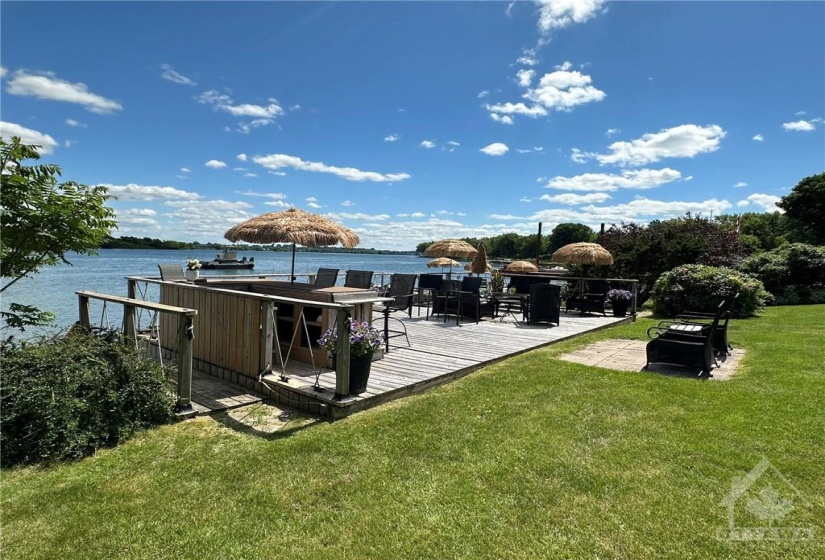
[{"x": 184, "y": 333}]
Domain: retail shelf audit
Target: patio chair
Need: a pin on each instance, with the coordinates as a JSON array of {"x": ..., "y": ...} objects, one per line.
[
  {"x": 402, "y": 288},
  {"x": 544, "y": 305},
  {"x": 464, "y": 301},
  {"x": 689, "y": 349},
  {"x": 591, "y": 301},
  {"x": 720, "y": 335},
  {"x": 325, "y": 278},
  {"x": 358, "y": 279},
  {"x": 428, "y": 284},
  {"x": 171, "y": 273}
]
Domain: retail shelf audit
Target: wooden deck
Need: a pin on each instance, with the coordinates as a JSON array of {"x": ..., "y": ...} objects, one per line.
[
  {"x": 210, "y": 394},
  {"x": 438, "y": 353}
]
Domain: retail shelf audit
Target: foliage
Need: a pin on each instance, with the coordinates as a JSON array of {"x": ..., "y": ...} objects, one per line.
[
  {"x": 363, "y": 339},
  {"x": 66, "y": 397},
  {"x": 193, "y": 264},
  {"x": 696, "y": 287},
  {"x": 794, "y": 273},
  {"x": 496, "y": 281},
  {"x": 805, "y": 207},
  {"x": 645, "y": 252},
  {"x": 127, "y": 242},
  {"x": 42, "y": 220},
  {"x": 761, "y": 231},
  {"x": 564, "y": 234},
  {"x": 619, "y": 295}
]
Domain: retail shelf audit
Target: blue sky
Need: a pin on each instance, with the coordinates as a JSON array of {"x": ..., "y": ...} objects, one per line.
[{"x": 413, "y": 121}]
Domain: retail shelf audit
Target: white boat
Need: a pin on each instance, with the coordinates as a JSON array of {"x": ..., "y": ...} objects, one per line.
[{"x": 228, "y": 259}]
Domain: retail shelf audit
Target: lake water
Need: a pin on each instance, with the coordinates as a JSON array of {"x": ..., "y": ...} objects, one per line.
[{"x": 53, "y": 289}]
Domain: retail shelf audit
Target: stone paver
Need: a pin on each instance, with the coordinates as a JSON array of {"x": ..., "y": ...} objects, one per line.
[{"x": 629, "y": 355}]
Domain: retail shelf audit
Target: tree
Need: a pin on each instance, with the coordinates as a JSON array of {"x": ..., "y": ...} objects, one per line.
[
  {"x": 43, "y": 221},
  {"x": 805, "y": 207},
  {"x": 564, "y": 234},
  {"x": 766, "y": 230},
  {"x": 645, "y": 253}
]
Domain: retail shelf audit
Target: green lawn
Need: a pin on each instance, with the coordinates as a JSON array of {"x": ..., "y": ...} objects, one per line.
[{"x": 530, "y": 458}]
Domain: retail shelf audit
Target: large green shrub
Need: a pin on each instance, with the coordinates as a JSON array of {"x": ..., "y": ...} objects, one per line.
[
  {"x": 793, "y": 273},
  {"x": 66, "y": 397},
  {"x": 695, "y": 287}
]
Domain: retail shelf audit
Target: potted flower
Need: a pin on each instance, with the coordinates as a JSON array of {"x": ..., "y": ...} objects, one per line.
[
  {"x": 193, "y": 267},
  {"x": 619, "y": 301},
  {"x": 364, "y": 341}
]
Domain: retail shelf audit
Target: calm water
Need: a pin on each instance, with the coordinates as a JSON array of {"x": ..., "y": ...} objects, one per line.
[{"x": 53, "y": 289}]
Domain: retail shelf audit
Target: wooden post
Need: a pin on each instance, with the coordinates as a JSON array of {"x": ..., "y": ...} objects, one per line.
[
  {"x": 342, "y": 353},
  {"x": 129, "y": 322},
  {"x": 83, "y": 302},
  {"x": 538, "y": 246},
  {"x": 185, "y": 336},
  {"x": 130, "y": 288},
  {"x": 635, "y": 290},
  {"x": 267, "y": 335}
]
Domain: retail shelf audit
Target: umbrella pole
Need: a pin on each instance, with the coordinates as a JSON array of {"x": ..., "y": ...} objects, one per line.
[{"x": 292, "y": 275}]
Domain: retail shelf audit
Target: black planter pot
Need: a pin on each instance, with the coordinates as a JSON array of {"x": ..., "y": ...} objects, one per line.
[
  {"x": 359, "y": 373},
  {"x": 620, "y": 307}
]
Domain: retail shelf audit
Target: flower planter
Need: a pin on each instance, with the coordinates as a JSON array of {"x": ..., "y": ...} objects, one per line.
[
  {"x": 191, "y": 275},
  {"x": 359, "y": 373},
  {"x": 620, "y": 307}
]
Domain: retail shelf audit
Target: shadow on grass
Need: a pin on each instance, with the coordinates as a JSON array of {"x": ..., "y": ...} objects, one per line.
[{"x": 268, "y": 420}]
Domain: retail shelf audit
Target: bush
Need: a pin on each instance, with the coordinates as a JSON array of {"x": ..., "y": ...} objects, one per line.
[
  {"x": 66, "y": 397},
  {"x": 696, "y": 287},
  {"x": 793, "y": 274}
]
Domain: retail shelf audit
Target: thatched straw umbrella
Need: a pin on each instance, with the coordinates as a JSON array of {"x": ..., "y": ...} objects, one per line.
[
  {"x": 292, "y": 226},
  {"x": 479, "y": 265},
  {"x": 583, "y": 254},
  {"x": 442, "y": 262},
  {"x": 521, "y": 266},
  {"x": 450, "y": 248}
]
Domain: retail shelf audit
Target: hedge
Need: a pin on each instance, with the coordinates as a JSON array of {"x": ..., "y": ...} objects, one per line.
[{"x": 793, "y": 274}]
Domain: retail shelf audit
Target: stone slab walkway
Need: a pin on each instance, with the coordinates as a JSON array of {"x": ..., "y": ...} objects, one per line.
[{"x": 629, "y": 355}]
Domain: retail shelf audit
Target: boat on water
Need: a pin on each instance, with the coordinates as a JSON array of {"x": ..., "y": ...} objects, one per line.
[{"x": 227, "y": 259}]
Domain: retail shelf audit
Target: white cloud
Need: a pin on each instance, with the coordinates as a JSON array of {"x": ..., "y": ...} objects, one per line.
[
  {"x": 524, "y": 199},
  {"x": 144, "y": 193},
  {"x": 172, "y": 76},
  {"x": 740, "y": 184},
  {"x": 800, "y": 126},
  {"x": 758, "y": 138},
  {"x": 766, "y": 201},
  {"x": 347, "y": 204},
  {"x": 28, "y": 136},
  {"x": 275, "y": 162},
  {"x": 801, "y": 113},
  {"x": 215, "y": 164},
  {"x": 570, "y": 198},
  {"x": 527, "y": 59},
  {"x": 72, "y": 122},
  {"x": 453, "y": 143},
  {"x": 241, "y": 157},
  {"x": 3, "y": 71},
  {"x": 525, "y": 77},
  {"x": 558, "y": 14},
  {"x": 278, "y": 204},
  {"x": 313, "y": 205},
  {"x": 529, "y": 150},
  {"x": 311, "y": 199},
  {"x": 185, "y": 170},
  {"x": 47, "y": 86},
  {"x": 600, "y": 182},
  {"x": 506, "y": 119},
  {"x": 686, "y": 140},
  {"x": 517, "y": 109},
  {"x": 427, "y": 144},
  {"x": 338, "y": 216},
  {"x": 262, "y": 115},
  {"x": 495, "y": 149},
  {"x": 250, "y": 175},
  {"x": 239, "y": 169},
  {"x": 562, "y": 90},
  {"x": 484, "y": 93},
  {"x": 276, "y": 196},
  {"x": 611, "y": 132},
  {"x": 391, "y": 138}
]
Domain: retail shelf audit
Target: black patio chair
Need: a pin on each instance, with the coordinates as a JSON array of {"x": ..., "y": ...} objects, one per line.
[
  {"x": 720, "y": 335},
  {"x": 544, "y": 305},
  {"x": 358, "y": 279},
  {"x": 428, "y": 284},
  {"x": 325, "y": 278},
  {"x": 591, "y": 301},
  {"x": 402, "y": 288},
  {"x": 464, "y": 301},
  {"x": 689, "y": 349}
]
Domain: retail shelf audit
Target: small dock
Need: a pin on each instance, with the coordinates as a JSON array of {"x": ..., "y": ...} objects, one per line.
[{"x": 438, "y": 353}]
